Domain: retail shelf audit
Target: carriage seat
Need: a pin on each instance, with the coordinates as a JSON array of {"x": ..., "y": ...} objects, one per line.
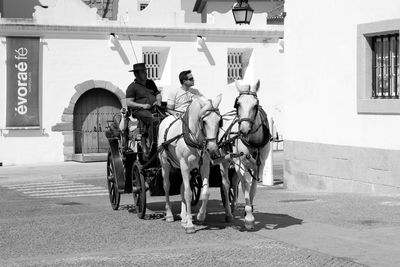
[
  {"x": 133, "y": 127},
  {"x": 116, "y": 128}
]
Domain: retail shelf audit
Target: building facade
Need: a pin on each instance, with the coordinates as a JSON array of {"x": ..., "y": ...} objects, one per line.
[
  {"x": 65, "y": 69},
  {"x": 341, "y": 96}
]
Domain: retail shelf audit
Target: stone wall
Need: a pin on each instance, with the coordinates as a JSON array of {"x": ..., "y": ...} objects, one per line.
[{"x": 335, "y": 168}]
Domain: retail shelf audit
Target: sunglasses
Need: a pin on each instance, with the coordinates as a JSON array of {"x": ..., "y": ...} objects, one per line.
[{"x": 190, "y": 79}]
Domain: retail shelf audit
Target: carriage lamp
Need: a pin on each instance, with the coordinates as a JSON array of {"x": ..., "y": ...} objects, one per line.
[{"x": 242, "y": 12}]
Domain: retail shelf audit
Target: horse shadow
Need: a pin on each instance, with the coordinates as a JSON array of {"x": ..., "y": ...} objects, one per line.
[{"x": 215, "y": 219}]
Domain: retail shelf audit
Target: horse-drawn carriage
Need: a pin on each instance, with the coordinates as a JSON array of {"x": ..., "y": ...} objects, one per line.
[
  {"x": 181, "y": 158},
  {"x": 133, "y": 166}
]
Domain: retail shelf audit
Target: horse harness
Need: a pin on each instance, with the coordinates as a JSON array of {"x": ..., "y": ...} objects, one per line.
[
  {"x": 236, "y": 106},
  {"x": 226, "y": 142},
  {"x": 188, "y": 135}
]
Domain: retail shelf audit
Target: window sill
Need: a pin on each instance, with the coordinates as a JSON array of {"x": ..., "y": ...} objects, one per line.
[{"x": 378, "y": 106}]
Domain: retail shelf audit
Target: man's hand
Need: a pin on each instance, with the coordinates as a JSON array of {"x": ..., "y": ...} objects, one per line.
[
  {"x": 146, "y": 106},
  {"x": 124, "y": 112},
  {"x": 157, "y": 103}
]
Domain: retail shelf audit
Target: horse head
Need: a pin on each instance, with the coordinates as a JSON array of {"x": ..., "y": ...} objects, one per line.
[
  {"x": 246, "y": 105},
  {"x": 210, "y": 123}
]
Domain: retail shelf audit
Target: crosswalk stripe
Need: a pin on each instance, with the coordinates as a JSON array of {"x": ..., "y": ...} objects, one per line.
[
  {"x": 57, "y": 189},
  {"x": 76, "y": 195},
  {"x": 51, "y": 187},
  {"x": 40, "y": 183},
  {"x": 62, "y": 190},
  {"x": 63, "y": 193}
]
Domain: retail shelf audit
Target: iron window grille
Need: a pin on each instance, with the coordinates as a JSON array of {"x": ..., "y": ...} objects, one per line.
[
  {"x": 385, "y": 66},
  {"x": 151, "y": 59},
  {"x": 235, "y": 66}
]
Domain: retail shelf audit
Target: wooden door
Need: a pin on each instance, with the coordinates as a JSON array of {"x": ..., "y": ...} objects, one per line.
[{"x": 92, "y": 111}]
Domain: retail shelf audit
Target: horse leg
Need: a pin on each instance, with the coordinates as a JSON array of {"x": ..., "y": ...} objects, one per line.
[
  {"x": 205, "y": 192},
  {"x": 235, "y": 187},
  {"x": 264, "y": 155},
  {"x": 249, "y": 218},
  {"x": 183, "y": 206},
  {"x": 226, "y": 187},
  {"x": 253, "y": 191},
  {"x": 189, "y": 227},
  {"x": 165, "y": 170}
]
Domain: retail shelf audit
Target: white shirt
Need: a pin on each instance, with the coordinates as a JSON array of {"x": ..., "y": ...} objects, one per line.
[{"x": 180, "y": 99}]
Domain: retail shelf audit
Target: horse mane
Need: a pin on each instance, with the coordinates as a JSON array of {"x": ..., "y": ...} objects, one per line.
[
  {"x": 192, "y": 114},
  {"x": 264, "y": 124}
]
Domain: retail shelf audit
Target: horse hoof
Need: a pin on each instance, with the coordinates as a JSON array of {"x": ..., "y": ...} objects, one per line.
[
  {"x": 249, "y": 225},
  {"x": 201, "y": 218},
  {"x": 169, "y": 218},
  {"x": 228, "y": 218},
  {"x": 190, "y": 230}
]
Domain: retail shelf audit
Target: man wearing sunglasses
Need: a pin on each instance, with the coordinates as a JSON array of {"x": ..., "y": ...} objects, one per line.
[{"x": 180, "y": 98}]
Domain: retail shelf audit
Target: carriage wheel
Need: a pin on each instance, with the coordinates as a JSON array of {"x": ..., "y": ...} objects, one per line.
[
  {"x": 112, "y": 185},
  {"x": 145, "y": 156},
  {"x": 139, "y": 189},
  {"x": 196, "y": 184}
]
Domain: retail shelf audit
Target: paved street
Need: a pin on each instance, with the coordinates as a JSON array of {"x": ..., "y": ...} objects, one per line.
[{"x": 59, "y": 215}]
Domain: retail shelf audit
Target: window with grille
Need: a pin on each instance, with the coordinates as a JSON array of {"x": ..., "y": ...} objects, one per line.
[
  {"x": 151, "y": 59},
  {"x": 385, "y": 66},
  {"x": 235, "y": 66}
]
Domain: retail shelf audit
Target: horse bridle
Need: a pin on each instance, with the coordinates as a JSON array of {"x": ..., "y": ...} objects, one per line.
[
  {"x": 236, "y": 106},
  {"x": 208, "y": 112}
]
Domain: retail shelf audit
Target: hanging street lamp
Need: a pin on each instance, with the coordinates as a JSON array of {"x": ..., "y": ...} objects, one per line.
[{"x": 242, "y": 12}]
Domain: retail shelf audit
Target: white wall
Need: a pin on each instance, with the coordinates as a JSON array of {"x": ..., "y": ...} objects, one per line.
[
  {"x": 320, "y": 74},
  {"x": 73, "y": 58},
  {"x": 68, "y": 62}
]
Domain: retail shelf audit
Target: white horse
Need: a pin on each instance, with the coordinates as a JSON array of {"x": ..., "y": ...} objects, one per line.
[
  {"x": 249, "y": 137},
  {"x": 194, "y": 139}
]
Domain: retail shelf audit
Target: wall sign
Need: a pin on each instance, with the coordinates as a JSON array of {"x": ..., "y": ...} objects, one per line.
[{"x": 22, "y": 82}]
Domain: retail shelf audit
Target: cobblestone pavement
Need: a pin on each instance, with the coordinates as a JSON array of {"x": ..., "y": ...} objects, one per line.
[
  {"x": 292, "y": 228},
  {"x": 259, "y": 253}
]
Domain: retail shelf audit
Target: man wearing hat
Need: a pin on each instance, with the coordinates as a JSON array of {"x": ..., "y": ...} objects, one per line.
[{"x": 141, "y": 95}]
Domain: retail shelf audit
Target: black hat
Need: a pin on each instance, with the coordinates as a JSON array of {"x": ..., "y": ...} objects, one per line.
[{"x": 138, "y": 66}]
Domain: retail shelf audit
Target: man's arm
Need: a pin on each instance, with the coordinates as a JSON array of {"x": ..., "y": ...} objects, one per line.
[
  {"x": 150, "y": 84},
  {"x": 132, "y": 104},
  {"x": 171, "y": 103},
  {"x": 158, "y": 100},
  {"x": 170, "y": 108}
]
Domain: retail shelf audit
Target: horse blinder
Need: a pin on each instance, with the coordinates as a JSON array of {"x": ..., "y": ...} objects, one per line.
[{"x": 236, "y": 105}]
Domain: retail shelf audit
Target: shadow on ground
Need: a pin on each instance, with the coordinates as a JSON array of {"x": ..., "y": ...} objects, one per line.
[{"x": 215, "y": 219}]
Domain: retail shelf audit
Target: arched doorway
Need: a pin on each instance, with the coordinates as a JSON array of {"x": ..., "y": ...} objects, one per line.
[{"x": 92, "y": 113}]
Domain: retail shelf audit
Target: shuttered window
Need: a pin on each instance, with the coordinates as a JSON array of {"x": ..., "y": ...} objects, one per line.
[
  {"x": 385, "y": 66},
  {"x": 235, "y": 66},
  {"x": 151, "y": 59}
]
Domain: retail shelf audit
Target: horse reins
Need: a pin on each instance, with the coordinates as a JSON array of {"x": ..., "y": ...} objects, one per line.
[
  {"x": 188, "y": 135},
  {"x": 246, "y": 142}
]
